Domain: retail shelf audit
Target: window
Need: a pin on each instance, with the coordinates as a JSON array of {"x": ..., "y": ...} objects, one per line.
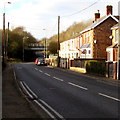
[
  {"x": 72, "y": 55},
  {"x": 89, "y": 51},
  {"x": 69, "y": 55},
  {"x": 108, "y": 56},
  {"x": 76, "y": 55}
]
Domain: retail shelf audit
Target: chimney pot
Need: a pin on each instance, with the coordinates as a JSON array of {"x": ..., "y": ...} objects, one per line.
[
  {"x": 109, "y": 10},
  {"x": 97, "y": 15}
]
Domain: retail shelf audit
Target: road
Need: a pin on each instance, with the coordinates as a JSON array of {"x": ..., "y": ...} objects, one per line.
[{"x": 69, "y": 94}]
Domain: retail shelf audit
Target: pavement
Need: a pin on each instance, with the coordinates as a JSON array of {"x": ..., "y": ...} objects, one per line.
[{"x": 14, "y": 102}]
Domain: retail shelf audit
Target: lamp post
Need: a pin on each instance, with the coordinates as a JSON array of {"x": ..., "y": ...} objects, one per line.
[
  {"x": 7, "y": 40},
  {"x": 58, "y": 41},
  {"x": 45, "y": 47},
  {"x": 3, "y": 36}
]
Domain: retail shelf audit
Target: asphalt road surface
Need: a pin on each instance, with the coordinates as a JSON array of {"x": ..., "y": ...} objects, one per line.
[{"x": 70, "y": 95}]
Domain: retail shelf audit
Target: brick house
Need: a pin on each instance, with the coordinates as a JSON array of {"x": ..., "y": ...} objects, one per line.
[
  {"x": 92, "y": 41},
  {"x": 112, "y": 53},
  {"x": 95, "y": 38}
]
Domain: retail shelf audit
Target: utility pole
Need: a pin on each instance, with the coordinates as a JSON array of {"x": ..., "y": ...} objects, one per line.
[
  {"x": 45, "y": 49},
  {"x": 7, "y": 40},
  {"x": 118, "y": 66},
  {"x": 58, "y": 41},
  {"x": 3, "y": 40},
  {"x": 3, "y": 36},
  {"x": 24, "y": 38},
  {"x": 23, "y": 47},
  {"x": 45, "y": 46}
]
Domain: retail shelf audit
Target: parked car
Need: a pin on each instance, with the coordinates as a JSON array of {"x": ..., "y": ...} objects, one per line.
[{"x": 40, "y": 61}]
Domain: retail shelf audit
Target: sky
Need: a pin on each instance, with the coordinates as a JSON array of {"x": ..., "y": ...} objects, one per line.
[{"x": 40, "y": 17}]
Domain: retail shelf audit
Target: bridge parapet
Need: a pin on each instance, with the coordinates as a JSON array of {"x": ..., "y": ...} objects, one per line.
[{"x": 35, "y": 47}]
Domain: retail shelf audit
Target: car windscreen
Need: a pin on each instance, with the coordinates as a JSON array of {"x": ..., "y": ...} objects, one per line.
[{"x": 41, "y": 60}]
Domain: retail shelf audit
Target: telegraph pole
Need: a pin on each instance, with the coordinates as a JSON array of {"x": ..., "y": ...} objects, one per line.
[
  {"x": 3, "y": 40},
  {"x": 45, "y": 49},
  {"x": 3, "y": 37},
  {"x": 45, "y": 46},
  {"x": 58, "y": 41},
  {"x": 7, "y": 40},
  {"x": 23, "y": 47}
]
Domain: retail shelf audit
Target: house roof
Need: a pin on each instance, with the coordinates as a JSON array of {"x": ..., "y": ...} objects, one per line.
[
  {"x": 98, "y": 22},
  {"x": 113, "y": 46},
  {"x": 85, "y": 46},
  {"x": 115, "y": 26}
]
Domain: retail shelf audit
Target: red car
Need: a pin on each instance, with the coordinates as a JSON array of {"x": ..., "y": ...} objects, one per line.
[{"x": 40, "y": 61}]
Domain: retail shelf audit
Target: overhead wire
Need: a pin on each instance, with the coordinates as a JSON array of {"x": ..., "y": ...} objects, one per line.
[
  {"x": 69, "y": 15},
  {"x": 77, "y": 12},
  {"x": 53, "y": 28},
  {"x": 81, "y": 10}
]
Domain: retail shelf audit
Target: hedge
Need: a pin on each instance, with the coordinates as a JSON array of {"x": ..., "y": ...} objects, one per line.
[{"x": 94, "y": 66}]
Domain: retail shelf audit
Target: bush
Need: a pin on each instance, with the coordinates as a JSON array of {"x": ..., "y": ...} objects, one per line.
[{"x": 94, "y": 66}]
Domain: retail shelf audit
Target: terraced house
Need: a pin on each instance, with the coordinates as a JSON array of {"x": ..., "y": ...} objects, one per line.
[
  {"x": 112, "y": 53},
  {"x": 95, "y": 38},
  {"x": 70, "y": 48},
  {"x": 92, "y": 41}
]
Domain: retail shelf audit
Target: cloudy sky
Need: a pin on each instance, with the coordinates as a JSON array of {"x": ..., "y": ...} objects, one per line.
[{"x": 40, "y": 17}]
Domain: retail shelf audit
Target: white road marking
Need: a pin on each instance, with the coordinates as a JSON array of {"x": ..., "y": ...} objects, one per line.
[
  {"x": 30, "y": 90},
  {"x": 113, "y": 98},
  {"x": 26, "y": 90},
  {"x": 36, "y": 69},
  {"x": 77, "y": 86},
  {"x": 58, "y": 79},
  {"x": 40, "y": 71},
  {"x": 15, "y": 75},
  {"x": 60, "y": 116},
  {"x": 47, "y": 74},
  {"x": 44, "y": 109}
]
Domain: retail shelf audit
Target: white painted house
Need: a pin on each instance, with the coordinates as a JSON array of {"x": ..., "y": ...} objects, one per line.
[{"x": 70, "y": 48}]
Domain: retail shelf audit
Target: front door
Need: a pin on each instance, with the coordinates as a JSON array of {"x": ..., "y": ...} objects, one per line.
[{"x": 111, "y": 70}]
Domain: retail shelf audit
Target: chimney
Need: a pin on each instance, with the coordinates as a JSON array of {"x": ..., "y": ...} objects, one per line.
[
  {"x": 97, "y": 15},
  {"x": 109, "y": 10}
]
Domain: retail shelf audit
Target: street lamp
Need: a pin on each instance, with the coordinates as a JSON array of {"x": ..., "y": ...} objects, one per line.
[
  {"x": 45, "y": 47},
  {"x": 24, "y": 38},
  {"x": 58, "y": 47},
  {"x": 3, "y": 35}
]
